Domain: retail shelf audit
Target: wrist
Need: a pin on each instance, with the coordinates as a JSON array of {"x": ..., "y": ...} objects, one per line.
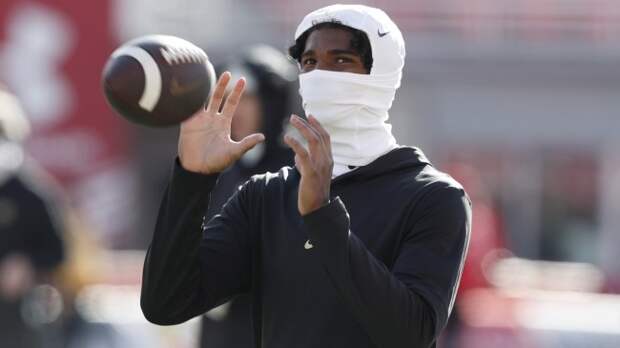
[
  {"x": 196, "y": 168},
  {"x": 314, "y": 207}
]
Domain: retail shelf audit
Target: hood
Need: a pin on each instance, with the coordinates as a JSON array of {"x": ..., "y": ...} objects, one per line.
[{"x": 401, "y": 158}]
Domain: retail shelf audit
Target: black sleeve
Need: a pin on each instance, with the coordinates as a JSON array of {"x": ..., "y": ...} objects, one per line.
[
  {"x": 408, "y": 305},
  {"x": 186, "y": 274},
  {"x": 42, "y": 225},
  {"x": 44, "y": 229}
]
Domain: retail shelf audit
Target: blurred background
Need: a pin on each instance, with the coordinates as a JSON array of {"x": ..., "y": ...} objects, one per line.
[{"x": 519, "y": 100}]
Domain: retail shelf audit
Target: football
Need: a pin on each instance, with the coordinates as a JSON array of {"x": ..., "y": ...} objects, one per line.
[{"x": 158, "y": 80}]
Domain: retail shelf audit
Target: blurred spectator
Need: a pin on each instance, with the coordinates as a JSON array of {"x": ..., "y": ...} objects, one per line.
[
  {"x": 31, "y": 247},
  {"x": 268, "y": 101}
]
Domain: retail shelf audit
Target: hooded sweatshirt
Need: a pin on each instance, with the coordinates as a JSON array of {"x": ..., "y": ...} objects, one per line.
[{"x": 376, "y": 267}]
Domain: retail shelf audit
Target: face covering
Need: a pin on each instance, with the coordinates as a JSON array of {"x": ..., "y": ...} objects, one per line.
[{"x": 353, "y": 109}]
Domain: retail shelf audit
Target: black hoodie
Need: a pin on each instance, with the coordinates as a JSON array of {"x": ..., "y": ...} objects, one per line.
[{"x": 377, "y": 267}]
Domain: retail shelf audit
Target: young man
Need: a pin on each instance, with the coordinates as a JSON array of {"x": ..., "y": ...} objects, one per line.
[
  {"x": 360, "y": 245},
  {"x": 31, "y": 243}
]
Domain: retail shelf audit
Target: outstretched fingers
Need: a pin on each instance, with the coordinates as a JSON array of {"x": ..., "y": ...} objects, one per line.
[
  {"x": 301, "y": 153},
  {"x": 326, "y": 140},
  {"x": 311, "y": 135},
  {"x": 218, "y": 94},
  {"x": 231, "y": 103},
  {"x": 247, "y": 143}
]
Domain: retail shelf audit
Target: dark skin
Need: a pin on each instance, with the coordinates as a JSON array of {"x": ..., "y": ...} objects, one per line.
[
  {"x": 330, "y": 49},
  {"x": 205, "y": 145}
]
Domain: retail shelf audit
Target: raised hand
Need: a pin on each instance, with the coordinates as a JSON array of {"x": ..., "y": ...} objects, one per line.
[
  {"x": 314, "y": 164},
  {"x": 205, "y": 145}
]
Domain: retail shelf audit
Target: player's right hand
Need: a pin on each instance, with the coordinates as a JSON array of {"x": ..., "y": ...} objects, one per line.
[{"x": 205, "y": 145}]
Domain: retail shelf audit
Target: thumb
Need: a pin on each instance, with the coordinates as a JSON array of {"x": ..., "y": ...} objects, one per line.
[{"x": 247, "y": 143}]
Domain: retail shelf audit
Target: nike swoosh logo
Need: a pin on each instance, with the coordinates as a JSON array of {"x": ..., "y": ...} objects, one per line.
[
  {"x": 177, "y": 89},
  {"x": 308, "y": 245},
  {"x": 382, "y": 34}
]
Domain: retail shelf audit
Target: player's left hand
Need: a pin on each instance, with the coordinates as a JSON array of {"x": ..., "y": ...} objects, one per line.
[{"x": 314, "y": 164}]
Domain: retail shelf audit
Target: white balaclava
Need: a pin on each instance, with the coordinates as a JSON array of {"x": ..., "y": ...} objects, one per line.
[{"x": 352, "y": 107}]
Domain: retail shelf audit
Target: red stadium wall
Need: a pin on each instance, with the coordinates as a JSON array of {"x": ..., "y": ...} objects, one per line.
[{"x": 51, "y": 56}]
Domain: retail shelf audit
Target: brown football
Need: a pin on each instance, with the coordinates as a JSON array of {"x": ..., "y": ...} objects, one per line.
[{"x": 158, "y": 80}]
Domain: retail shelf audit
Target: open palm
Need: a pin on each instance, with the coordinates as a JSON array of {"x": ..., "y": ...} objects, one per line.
[{"x": 205, "y": 145}]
